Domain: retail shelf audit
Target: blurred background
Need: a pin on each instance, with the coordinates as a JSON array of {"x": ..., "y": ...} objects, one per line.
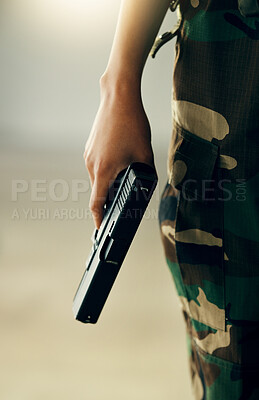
[{"x": 52, "y": 55}]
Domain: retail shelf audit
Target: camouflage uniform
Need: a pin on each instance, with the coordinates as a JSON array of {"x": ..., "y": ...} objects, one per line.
[{"x": 209, "y": 211}]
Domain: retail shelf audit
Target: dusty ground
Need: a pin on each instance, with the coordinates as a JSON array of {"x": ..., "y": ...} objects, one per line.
[{"x": 136, "y": 351}]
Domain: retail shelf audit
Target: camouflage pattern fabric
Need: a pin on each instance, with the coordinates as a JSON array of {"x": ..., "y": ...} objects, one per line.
[{"x": 209, "y": 210}]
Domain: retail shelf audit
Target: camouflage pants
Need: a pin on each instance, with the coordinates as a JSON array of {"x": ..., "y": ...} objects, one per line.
[{"x": 209, "y": 210}]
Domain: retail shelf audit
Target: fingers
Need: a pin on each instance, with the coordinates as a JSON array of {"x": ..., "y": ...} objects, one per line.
[
  {"x": 89, "y": 165},
  {"x": 98, "y": 197},
  {"x": 100, "y": 181}
]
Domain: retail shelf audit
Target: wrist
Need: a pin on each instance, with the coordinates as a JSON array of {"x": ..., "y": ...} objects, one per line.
[{"x": 120, "y": 84}]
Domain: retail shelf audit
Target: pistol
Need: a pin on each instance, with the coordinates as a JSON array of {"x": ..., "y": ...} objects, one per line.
[{"x": 125, "y": 206}]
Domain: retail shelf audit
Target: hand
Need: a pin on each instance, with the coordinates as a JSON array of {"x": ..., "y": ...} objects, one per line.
[{"x": 120, "y": 135}]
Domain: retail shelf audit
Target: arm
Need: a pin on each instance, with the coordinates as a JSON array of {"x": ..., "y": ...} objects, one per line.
[{"x": 121, "y": 131}]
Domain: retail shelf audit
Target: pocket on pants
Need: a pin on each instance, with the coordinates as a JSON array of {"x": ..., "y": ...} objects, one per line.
[
  {"x": 199, "y": 227},
  {"x": 193, "y": 165}
]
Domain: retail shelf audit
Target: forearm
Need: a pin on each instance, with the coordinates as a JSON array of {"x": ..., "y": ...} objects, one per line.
[
  {"x": 138, "y": 24},
  {"x": 121, "y": 132}
]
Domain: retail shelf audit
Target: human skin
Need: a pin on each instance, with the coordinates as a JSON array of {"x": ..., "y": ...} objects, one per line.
[{"x": 121, "y": 132}]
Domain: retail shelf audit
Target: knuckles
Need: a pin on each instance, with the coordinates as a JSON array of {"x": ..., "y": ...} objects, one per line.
[
  {"x": 99, "y": 167},
  {"x": 88, "y": 161}
]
